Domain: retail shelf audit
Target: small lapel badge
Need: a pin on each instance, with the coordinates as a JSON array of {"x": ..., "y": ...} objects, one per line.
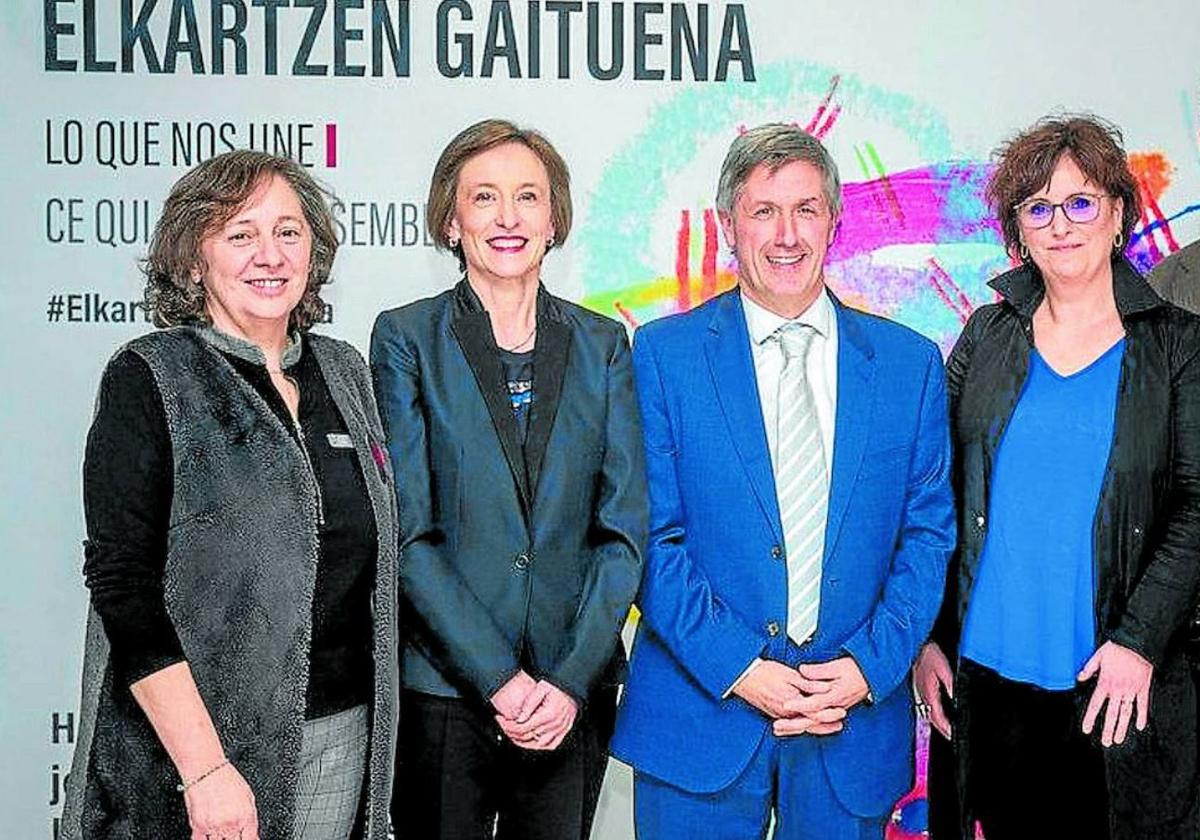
[
  {"x": 338, "y": 440},
  {"x": 381, "y": 459}
]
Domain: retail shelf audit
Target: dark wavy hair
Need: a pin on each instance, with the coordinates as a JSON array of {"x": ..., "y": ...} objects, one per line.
[
  {"x": 200, "y": 203},
  {"x": 1025, "y": 163}
]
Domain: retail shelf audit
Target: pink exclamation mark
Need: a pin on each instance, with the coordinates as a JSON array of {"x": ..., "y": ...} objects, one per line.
[{"x": 331, "y": 145}]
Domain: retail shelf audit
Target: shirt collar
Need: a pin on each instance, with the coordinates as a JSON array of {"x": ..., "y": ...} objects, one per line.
[
  {"x": 762, "y": 323},
  {"x": 247, "y": 350}
]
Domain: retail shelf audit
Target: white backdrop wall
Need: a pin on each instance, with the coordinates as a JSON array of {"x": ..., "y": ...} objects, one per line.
[{"x": 106, "y": 103}]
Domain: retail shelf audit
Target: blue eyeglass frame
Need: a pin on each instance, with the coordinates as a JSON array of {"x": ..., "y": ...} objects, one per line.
[{"x": 1062, "y": 205}]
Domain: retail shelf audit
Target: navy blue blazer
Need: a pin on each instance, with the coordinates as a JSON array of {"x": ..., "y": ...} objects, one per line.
[
  {"x": 511, "y": 559},
  {"x": 714, "y": 593}
]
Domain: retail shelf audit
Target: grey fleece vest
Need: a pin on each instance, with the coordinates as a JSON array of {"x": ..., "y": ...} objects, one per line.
[{"x": 241, "y": 566}]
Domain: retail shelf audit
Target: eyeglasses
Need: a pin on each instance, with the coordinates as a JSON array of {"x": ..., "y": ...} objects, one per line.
[{"x": 1080, "y": 208}]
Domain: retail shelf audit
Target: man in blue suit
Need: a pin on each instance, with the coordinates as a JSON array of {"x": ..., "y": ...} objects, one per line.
[{"x": 801, "y": 519}]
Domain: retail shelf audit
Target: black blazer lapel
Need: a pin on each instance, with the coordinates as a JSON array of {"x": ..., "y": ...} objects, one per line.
[
  {"x": 550, "y": 356},
  {"x": 473, "y": 330}
]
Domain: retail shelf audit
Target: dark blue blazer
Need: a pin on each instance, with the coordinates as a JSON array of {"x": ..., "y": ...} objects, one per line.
[
  {"x": 714, "y": 593},
  {"x": 512, "y": 554}
]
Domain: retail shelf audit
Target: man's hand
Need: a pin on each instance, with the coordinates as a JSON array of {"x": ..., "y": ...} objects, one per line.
[
  {"x": 810, "y": 716},
  {"x": 1123, "y": 683},
  {"x": 544, "y": 719},
  {"x": 507, "y": 701},
  {"x": 932, "y": 676},
  {"x": 768, "y": 686},
  {"x": 837, "y": 683}
]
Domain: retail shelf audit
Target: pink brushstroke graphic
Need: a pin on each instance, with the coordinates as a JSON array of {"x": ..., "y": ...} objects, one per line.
[
  {"x": 949, "y": 292},
  {"x": 812, "y": 127}
]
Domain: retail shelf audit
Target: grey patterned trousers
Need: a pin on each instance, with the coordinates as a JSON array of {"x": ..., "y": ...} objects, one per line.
[{"x": 333, "y": 758}]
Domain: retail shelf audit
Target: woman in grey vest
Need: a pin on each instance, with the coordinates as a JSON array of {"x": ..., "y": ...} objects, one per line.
[{"x": 240, "y": 671}]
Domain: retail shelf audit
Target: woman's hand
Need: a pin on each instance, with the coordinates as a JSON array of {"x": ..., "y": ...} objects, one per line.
[
  {"x": 543, "y": 720},
  {"x": 932, "y": 675},
  {"x": 221, "y": 807},
  {"x": 508, "y": 699},
  {"x": 1123, "y": 681},
  {"x": 220, "y": 804}
]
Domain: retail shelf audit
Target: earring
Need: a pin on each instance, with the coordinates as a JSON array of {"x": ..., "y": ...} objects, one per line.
[
  {"x": 1024, "y": 252},
  {"x": 453, "y": 242},
  {"x": 550, "y": 242},
  {"x": 1118, "y": 241}
]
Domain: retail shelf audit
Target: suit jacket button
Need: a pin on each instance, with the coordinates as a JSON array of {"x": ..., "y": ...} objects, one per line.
[
  {"x": 522, "y": 561},
  {"x": 772, "y": 628},
  {"x": 776, "y": 552}
]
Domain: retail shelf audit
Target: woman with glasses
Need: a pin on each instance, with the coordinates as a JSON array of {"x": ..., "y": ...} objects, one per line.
[{"x": 1056, "y": 671}]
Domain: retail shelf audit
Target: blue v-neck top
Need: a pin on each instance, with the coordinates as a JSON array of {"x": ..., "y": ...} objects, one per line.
[{"x": 1032, "y": 611}]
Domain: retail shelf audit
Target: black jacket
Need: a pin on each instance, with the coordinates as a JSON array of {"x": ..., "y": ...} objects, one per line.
[
  {"x": 512, "y": 556},
  {"x": 1146, "y": 528}
]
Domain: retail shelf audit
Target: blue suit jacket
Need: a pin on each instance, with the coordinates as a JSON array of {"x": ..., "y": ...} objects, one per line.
[{"x": 715, "y": 586}]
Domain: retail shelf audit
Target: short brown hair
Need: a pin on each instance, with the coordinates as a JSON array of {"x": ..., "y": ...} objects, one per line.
[
  {"x": 474, "y": 140},
  {"x": 1025, "y": 163},
  {"x": 203, "y": 200}
]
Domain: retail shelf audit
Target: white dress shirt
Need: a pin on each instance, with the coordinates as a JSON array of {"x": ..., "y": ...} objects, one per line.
[
  {"x": 820, "y": 366},
  {"x": 820, "y": 369}
]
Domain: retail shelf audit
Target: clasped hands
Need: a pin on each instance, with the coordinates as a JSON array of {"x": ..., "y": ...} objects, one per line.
[
  {"x": 811, "y": 699},
  {"x": 534, "y": 714}
]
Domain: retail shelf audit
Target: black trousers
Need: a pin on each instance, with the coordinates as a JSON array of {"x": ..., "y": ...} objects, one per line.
[
  {"x": 459, "y": 778},
  {"x": 1030, "y": 772}
]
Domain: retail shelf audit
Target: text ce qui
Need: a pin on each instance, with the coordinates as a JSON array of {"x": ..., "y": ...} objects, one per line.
[{"x": 130, "y": 221}]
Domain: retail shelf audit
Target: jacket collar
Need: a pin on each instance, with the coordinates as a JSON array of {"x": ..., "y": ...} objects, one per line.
[
  {"x": 248, "y": 351},
  {"x": 467, "y": 302},
  {"x": 1023, "y": 289},
  {"x": 472, "y": 328}
]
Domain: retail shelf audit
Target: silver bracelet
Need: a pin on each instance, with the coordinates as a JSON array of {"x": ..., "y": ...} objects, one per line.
[{"x": 183, "y": 787}]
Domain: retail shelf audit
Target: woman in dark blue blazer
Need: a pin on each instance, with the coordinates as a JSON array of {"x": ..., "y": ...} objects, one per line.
[{"x": 514, "y": 434}]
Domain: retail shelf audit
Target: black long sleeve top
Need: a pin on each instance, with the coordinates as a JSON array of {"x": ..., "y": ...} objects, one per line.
[{"x": 128, "y": 481}]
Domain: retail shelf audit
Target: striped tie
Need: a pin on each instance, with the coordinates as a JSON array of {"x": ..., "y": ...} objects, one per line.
[{"x": 801, "y": 484}]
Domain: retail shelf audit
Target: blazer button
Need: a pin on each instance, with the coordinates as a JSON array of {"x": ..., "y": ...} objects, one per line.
[
  {"x": 522, "y": 561},
  {"x": 776, "y": 552},
  {"x": 772, "y": 628}
]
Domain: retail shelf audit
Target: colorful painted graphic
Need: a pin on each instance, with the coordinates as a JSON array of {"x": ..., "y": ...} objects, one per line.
[{"x": 916, "y": 241}]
